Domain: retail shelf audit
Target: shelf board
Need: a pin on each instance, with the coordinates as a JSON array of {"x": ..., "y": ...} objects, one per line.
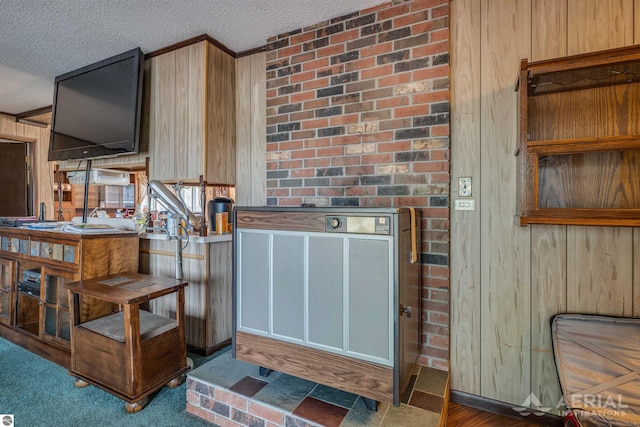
[
  {"x": 583, "y": 216},
  {"x": 584, "y": 145}
]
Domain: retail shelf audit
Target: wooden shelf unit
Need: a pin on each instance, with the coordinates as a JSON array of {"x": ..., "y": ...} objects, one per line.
[
  {"x": 579, "y": 142},
  {"x": 35, "y": 314}
]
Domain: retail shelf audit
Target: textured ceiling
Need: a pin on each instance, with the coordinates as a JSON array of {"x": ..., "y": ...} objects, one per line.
[{"x": 41, "y": 39}]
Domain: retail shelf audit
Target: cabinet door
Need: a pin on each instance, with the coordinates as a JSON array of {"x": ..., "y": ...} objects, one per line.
[
  {"x": 54, "y": 307},
  {"x": 7, "y": 291}
]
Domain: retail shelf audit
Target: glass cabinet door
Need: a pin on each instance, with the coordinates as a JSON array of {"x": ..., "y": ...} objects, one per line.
[
  {"x": 7, "y": 285},
  {"x": 55, "y": 307}
]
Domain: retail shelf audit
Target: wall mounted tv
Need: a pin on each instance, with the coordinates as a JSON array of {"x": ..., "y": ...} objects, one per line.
[{"x": 97, "y": 109}]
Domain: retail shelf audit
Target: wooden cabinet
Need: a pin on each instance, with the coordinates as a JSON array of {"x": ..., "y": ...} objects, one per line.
[
  {"x": 207, "y": 269},
  {"x": 192, "y": 130},
  {"x": 579, "y": 150},
  {"x": 35, "y": 265}
]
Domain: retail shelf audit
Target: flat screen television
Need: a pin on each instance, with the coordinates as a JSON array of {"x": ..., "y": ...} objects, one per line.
[{"x": 97, "y": 109}]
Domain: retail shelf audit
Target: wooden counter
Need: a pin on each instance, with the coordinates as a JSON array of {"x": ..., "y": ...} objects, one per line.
[{"x": 206, "y": 266}]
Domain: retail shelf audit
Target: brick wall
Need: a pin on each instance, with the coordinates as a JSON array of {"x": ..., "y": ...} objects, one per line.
[{"x": 358, "y": 115}]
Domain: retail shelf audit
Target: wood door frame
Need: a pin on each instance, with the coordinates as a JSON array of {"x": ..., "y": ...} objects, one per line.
[{"x": 6, "y": 138}]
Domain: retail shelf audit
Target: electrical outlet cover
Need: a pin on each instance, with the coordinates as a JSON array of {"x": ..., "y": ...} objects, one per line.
[{"x": 464, "y": 186}]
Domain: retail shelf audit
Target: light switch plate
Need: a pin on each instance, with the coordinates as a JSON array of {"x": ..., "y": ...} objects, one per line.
[
  {"x": 464, "y": 205},
  {"x": 464, "y": 186}
]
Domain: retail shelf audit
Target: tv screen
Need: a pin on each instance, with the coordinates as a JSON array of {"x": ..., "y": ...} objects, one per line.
[{"x": 96, "y": 109}]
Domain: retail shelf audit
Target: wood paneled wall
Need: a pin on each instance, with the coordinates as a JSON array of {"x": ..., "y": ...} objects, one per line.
[
  {"x": 251, "y": 154},
  {"x": 42, "y": 170},
  {"x": 506, "y": 280}
]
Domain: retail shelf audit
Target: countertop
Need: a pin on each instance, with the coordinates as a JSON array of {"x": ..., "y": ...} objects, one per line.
[{"x": 212, "y": 238}]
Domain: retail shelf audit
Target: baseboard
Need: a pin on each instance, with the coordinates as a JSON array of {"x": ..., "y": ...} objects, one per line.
[{"x": 503, "y": 408}]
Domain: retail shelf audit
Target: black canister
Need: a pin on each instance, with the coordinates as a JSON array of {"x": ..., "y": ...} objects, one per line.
[{"x": 219, "y": 205}]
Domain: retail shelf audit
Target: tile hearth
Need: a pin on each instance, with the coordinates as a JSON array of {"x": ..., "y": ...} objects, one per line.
[{"x": 229, "y": 392}]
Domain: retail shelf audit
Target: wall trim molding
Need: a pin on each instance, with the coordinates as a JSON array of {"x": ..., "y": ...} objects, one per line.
[{"x": 503, "y": 408}]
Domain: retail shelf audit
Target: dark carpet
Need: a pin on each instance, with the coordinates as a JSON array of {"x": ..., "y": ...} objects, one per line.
[{"x": 40, "y": 393}]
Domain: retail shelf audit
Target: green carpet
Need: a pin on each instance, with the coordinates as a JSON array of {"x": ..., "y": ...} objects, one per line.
[{"x": 40, "y": 393}]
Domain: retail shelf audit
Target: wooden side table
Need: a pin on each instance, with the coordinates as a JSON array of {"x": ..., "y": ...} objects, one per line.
[{"x": 130, "y": 353}]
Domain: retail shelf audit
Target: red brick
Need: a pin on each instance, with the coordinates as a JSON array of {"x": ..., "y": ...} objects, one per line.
[
  {"x": 371, "y": 73},
  {"x": 302, "y": 173},
  {"x": 200, "y": 413},
  {"x": 303, "y": 57},
  {"x": 317, "y": 142},
  {"x": 429, "y": 49},
  {"x": 375, "y": 202},
  {"x": 360, "y": 170},
  {"x": 440, "y": 212},
  {"x": 290, "y": 145},
  {"x": 439, "y": 35},
  {"x": 277, "y": 101},
  {"x": 377, "y": 49},
  {"x": 225, "y": 422},
  {"x": 440, "y": 130},
  {"x": 377, "y": 137},
  {"x": 401, "y": 9},
  {"x": 360, "y": 190},
  {"x": 266, "y": 413},
  {"x": 396, "y": 101},
  {"x": 394, "y": 146},
  {"x": 344, "y": 36},
  {"x": 315, "y": 124},
  {"x": 439, "y": 318},
  {"x": 303, "y": 77},
  {"x": 438, "y": 12},
  {"x": 315, "y": 84},
  {"x": 345, "y": 161},
  {"x": 430, "y": 166},
  {"x": 439, "y": 154},
  {"x": 330, "y": 151},
  {"x": 394, "y": 79},
  {"x": 278, "y": 192},
  {"x": 288, "y": 51},
  {"x": 318, "y": 103},
  {"x": 411, "y": 201},
  {"x": 330, "y": 50},
  {"x": 413, "y": 111},
  {"x": 291, "y": 164},
  {"x": 302, "y": 37},
  {"x": 294, "y": 201},
  {"x": 375, "y": 159},
  {"x": 377, "y": 93},
  {"x": 394, "y": 124},
  {"x": 331, "y": 71},
  {"x": 344, "y": 119},
  {"x": 271, "y": 93},
  {"x": 360, "y": 64},
  {"x": 426, "y": 4},
  {"x": 303, "y": 134},
  {"x": 345, "y": 140},
  {"x": 303, "y": 154},
  {"x": 429, "y": 97},
  {"x": 318, "y": 63},
  {"x": 438, "y": 342},
  {"x": 303, "y": 192},
  {"x": 302, "y": 115},
  {"x": 302, "y": 96},
  {"x": 232, "y": 399},
  {"x": 331, "y": 191},
  {"x": 317, "y": 163}
]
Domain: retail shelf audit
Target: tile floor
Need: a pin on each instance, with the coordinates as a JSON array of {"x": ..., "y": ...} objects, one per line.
[{"x": 228, "y": 392}]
